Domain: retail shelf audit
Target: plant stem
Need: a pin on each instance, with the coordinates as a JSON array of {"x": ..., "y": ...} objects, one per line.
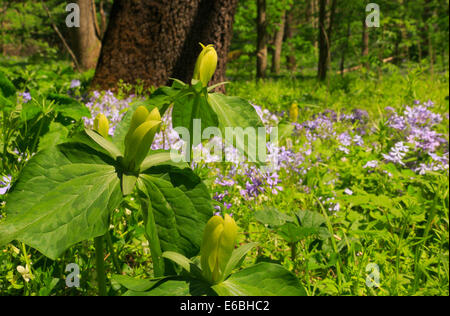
[
  {"x": 333, "y": 242},
  {"x": 151, "y": 233},
  {"x": 113, "y": 253},
  {"x": 293, "y": 252},
  {"x": 100, "y": 264},
  {"x": 420, "y": 247},
  {"x": 155, "y": 248}
]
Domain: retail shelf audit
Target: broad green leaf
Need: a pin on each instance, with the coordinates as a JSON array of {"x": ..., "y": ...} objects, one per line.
[
  {"x": 137, "y": 285},
  {"x": 57, "y": 134},
  {"x": 183, "y": 262},
  {"x": 181, "y": 206},
  {"x": 310, "y": 219},
  {"x": 236, "y": 258},
  {"x": 156, "y": 158},
  {"x": 69, "y": 107},
  {"x": 262, "y": 279},
  {"x": 175, "y": 286},
  {"x": 190, "y": 107},
  {"x": 64, "y": 195},
  {"x": 272, "y": 217},
  {"x": 128, "y": 183},
  {"x": 237, "y": 113},
  {"x": 293, "y": 233},
  {"x": 7, "y": 92},
  {"x": 104, "y": 143}
]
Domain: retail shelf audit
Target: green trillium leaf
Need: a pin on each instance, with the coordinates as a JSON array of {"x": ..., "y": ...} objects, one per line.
[
  {"x": 262, "y": 279},
  {"x": 181, "y": 205},
  {"x": 64, "y": 195},
  {"x": 237, "y": 113}
]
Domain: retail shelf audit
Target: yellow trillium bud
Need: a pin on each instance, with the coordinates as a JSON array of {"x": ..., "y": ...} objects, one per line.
[
  {"x": 139, "y": 117},
  {"x": 219, "y": 239},
  {"x": 293, "y": 112},
  {"x": 101, "y": 125},
  {"x": 206, "y": 64},
  {"x": 141, "y": 138}
]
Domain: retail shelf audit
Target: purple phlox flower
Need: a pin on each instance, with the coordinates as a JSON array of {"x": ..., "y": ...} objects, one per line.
[
  {"x": 371, "y": 164},
  {"x": 5, "y": 184},
  {"x": 345, "y": 139},
  {"x": 26, "y": 96},
  {"x": 397, "y": 153},
  {"x": 75, "y": 83},
  {"x": 348, "y": 191}
]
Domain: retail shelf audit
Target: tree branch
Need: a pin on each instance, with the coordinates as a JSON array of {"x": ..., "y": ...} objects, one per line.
[
  {"x": 74, "y": 58},
  {"x": 94, "y": 18}
]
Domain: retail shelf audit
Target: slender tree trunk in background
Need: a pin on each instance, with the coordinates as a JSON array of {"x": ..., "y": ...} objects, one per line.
[
  {"x": 85, "y": 43},
  {"x": 365, "y": 41},
  {"x": 289, "y": 34},
  {"x": 153, "y": 41},
  {"x": 2, "y": 25},
  {"x": 278, "y": 43},
  {"x": 261, "y": 47},
  {"x": 345, "y": 48},
  {"x": 323, "y": 51},
  {"x": 325, "y": 38},
  {"x": 315, "y": 20}
]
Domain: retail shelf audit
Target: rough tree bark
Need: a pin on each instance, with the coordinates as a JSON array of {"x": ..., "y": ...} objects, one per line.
[
  {"x": 153, "y": 41},
  {"x": 278, "y": 43},
  {"x": 261, "y": 47},
  {"x": 85, "y": 43}
]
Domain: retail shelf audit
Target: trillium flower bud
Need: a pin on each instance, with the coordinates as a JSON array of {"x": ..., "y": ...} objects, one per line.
[
  {"x": 140, "y": 138},
  {"x": 219, "y": 239},
  {"x": 139, "y": 117},
  {"x": 101, "y": 125},
  {"x": 206, "y": 64},
  {"x": 293, "y": 112}
]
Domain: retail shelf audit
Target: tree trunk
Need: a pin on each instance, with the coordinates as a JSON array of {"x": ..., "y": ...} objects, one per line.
[
  {"x": 261, "y": 49},
  {"x": 85, "y": 43},
  {"x": 345, "y": 48},
  {"x": 315, "y": 19},
  {"x": 289, "y": 32},
  {"x": 323, "y": 47},
  {"x": 325, "y": 37},
  {"x": 278, "y": 43},
  {"x": 365, "y": 40},
  {"x": 153, "y": 41}
]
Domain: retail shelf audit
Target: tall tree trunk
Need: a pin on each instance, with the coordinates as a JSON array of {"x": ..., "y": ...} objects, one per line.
[
  {"x": 325, "y": 37},
  {"x": 345, "y": 48},
  {"x": 156, "y": 40},
  {"x": 261, "y": 47},
  {"x": 278, "y": 43},
  {"x": 289, "y": 34},
  {"x": 315, "y": 19},
  {"x": 86, "y": 44},
  {"x": 323, "y": 46},
  {"x": 365, "y": 39}
]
